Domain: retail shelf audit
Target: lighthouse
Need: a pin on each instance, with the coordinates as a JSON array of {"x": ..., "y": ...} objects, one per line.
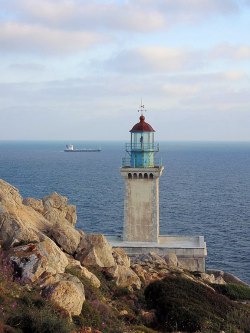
[{"x": 141, "y": 172}]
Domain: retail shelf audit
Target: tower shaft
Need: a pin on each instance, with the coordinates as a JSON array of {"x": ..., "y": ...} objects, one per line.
[{"x": 141, "y": 204}]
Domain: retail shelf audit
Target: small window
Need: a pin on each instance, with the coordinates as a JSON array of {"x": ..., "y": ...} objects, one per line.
[
  {"x": 140, "y": 175},
  {"x": 145, "y": 176},
  {"x": 151, "y": 176},
  {"x": 135, "y": 176},
  {"x": 130, "y": 176}
]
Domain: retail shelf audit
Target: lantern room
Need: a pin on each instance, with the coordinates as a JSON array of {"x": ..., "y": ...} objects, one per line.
[{"x": 141, "y": 148}]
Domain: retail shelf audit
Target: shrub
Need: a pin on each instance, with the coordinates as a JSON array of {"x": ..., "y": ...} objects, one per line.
[
  {"x": 34, "y": 314},
  {"x": 100, "y": 316},
  {"x": 234, "y": 291},
  {"x": 182, "y": 304}
]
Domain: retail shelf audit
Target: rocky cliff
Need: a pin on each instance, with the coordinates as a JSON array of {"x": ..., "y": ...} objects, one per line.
[{"x": 45, "y": 252}]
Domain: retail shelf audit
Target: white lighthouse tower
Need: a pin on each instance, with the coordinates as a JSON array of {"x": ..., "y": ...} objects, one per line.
[{"x": 141, "y": 174}]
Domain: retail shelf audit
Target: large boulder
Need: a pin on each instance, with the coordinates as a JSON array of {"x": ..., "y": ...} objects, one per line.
[
  {"x": 66, "y": 236},
  {"x": 17, "y": 220},
  {"x": 56, "y": 208},
  {"x": 121, "y": 272},
  {"x": 124, "y": 276},
  {"x": 14, "y": 231},
  {"x": 171, "y": 259},
  {"x": 75, "y": 266},
  {"x": 94, "y": 250},
  {"x": 34, "y": 260},
  {"x": 9, "y": 196},
  {"x": 36, "y": 204},
  {"x": 121, "y": 257},
  {"x": 66, "y": 291}
]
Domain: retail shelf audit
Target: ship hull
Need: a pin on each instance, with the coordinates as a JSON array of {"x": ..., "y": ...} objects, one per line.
[{"x": 81, "y": 150}]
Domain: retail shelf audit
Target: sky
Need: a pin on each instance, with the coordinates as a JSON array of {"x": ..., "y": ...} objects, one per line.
[{"x": 77, "y": 70}]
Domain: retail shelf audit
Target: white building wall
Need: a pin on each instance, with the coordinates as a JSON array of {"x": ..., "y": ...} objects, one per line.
[{"x": 141, "y": 205}]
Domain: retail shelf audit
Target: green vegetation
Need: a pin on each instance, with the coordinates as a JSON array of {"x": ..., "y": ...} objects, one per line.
[
  {"x": 179, "y": 303},
  {"x": 184, "y": 305},
  {"x": 234, "y": 291},
  {"x": 26, "y": 311}
]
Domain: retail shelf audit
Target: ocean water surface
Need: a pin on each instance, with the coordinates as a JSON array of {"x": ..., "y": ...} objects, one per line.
[{"x": 204, "y": 190}]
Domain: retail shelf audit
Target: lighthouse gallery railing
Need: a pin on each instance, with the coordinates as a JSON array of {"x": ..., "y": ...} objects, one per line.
[{"x": 143, "y": 147}]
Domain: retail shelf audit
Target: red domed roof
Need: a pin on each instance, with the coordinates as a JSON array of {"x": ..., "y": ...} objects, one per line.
[{"x": 142, "y": 126}]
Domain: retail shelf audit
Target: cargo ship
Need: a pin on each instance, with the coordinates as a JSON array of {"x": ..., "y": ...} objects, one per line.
[{"x": 71, "y": 149}]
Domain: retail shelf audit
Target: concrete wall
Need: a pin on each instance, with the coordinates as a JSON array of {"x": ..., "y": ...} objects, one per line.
[{"x": 141, "y": 204}]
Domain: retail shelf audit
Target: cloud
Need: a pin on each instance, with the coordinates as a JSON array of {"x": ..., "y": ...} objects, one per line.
[
  {"x": 67, "y": 26},
  {"x": 228, "y": 51},
  {"x": 77, "y": 14},
  {"x": 191, "y": 11},
  {"x": 24, "y": 67},
  {"x": 137, "y": 16},
  {"x": 174, "y": 102},
  {"x": 156, "y": 59},
  {"x": 161, "y": 59},
  {"x": 35, "y": 38}
]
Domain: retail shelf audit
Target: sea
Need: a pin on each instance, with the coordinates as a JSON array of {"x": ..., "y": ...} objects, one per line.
[{"x": 204, "y": 190}]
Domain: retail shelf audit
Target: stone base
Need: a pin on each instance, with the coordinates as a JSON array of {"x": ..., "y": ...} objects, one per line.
[{"x": 191, "y": 251}]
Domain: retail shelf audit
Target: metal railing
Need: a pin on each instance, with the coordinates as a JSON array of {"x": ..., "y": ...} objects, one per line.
[
  {"x": 128, "y": 163},
  {"x": 148, "y": 147}
]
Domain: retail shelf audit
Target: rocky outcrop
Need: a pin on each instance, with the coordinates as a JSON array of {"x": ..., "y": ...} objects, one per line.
[
  {"x": 31, "y": 262},
  {"x": 94, "y": 250},
  {"x": 210, "y": 278},
  {"x": 121, "y": 272},
  {"x": 225, "y": 276},
  {"x": 41, "y": 242},
  {"x": 18, "y": 223},
  {"x": 66, "y": 291},
  {"x": 150, "y": 267}
]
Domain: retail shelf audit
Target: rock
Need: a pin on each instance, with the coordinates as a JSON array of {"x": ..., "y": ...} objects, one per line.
[
  {"x": 150, "y": 259},
  {"x": 9, "y": 195},
  {"x": 227, "y": 277},
  {"x": 54, "y": 200},
  {"x": 94, "y": 250},
  {"x": 66, "y": 291},
  {"x": 140, "y": 272},
  {"x": 121, "y": 257},
  {"x": 18, "y": 222},
  {"x": 83, "y": 271},
  {"x": 34, "y": 260},
  {"x": 210, "y": 278},
  {"x": 124, "y": 276},
  {"x": 57, "y": 209},
  {"x": 171, "y": 259},
  {"x": 37, "y": 205},
  {"x": 67, "y": 237},
  {"x": 71, "y": 214},
  {"x": 150, "y": 267},
  {"x": 14, "y": 231},
  {"x": 149, "y": 317},
  {"x": 123, "y": 313}
]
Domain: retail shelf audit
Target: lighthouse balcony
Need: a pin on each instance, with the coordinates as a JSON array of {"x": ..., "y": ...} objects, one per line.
[
  {"x": 128, "y": 162},
  {"x": 142, "y": 147}
]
